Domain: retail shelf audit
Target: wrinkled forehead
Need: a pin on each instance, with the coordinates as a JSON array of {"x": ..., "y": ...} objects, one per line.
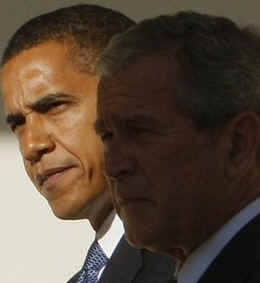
[
  {"x": 145, "y": 76},
  {"x": 39, "y": 57},
  {"x": 23, "y": 77},
  {"x": 144, "y": 87},
  {"x": 31, "y": 73}
]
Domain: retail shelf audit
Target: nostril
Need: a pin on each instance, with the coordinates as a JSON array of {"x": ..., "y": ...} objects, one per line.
[
  {"x": 118, "y": 163},
  {"x": 36, "y": 152},
  {"x": 43, "y": 151},
  {"x": 117, "y": 169},
  {"x": 37, "y": 146}
]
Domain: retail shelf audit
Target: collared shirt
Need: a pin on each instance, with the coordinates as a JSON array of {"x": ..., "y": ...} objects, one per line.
[
  {"x": 198, "y": 262},
  {"x": 109, "y": 235}
]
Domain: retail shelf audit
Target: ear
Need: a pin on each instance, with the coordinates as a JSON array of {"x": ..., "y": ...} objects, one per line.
[{"x": 244, "y": 144}]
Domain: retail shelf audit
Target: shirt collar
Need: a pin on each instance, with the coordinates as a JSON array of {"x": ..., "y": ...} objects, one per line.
[
  {"x": 110, "y": 233},
  {"x": 197, "y": 263}
]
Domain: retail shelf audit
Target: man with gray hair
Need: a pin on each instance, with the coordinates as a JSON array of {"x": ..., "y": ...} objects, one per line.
[
  {"x": 49, "y": 86},
  {"x": 179, "y": 115}
]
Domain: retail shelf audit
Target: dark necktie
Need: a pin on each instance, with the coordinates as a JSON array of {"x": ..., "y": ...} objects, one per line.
[{"x": 95, "y": 260}]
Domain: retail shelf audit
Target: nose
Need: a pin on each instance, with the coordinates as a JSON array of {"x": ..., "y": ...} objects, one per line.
[
  {"x": 118, "y": 161},
  {"x": 35, "y": 140}
]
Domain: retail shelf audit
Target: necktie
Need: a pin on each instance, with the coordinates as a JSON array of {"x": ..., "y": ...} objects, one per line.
[{"x": 94, "y": 262}]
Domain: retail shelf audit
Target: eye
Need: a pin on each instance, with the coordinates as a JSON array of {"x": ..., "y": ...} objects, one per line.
[
  {"x": 54, "y": 107},
  {"x": 60, "y": 105},
  {"x": 106, "y": 136},
  {"x": 14, "y": 121},
  {"x": 14, "y": 127},
  {"x": 57, "y": 104},
  {"x": 135, "y": 129}
]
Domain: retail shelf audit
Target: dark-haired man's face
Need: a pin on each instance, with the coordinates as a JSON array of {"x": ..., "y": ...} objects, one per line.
[
  {"x": 167, "y": 177},
  {"x": 51, "y": 108}
]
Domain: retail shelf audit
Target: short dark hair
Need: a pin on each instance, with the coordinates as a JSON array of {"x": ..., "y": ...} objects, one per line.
[
  {"x": 88, "y": 28},
  {"x": 218, "y": 63}
]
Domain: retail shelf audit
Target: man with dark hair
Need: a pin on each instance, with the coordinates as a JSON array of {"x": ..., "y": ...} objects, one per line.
[
  {"x": 49, "y": 85},
  {"x": 179, "y": 115}
]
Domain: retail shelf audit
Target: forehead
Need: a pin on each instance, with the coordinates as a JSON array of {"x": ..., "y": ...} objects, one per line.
[
  {"x": 32, "y": 70},
  {"x": 41, "y": 61},
  {"x": 148, "y": 83},
  {"x": 38, "y": 71},
  {"x": 37, "y": 58}
]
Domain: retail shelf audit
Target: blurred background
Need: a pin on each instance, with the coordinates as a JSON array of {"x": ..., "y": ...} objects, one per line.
[{"x": 35, "y": 246}]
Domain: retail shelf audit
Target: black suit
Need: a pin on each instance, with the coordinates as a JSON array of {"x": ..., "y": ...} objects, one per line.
[
  {"x": 136, "y": 266},
  {"x": 239, "y": 261}
]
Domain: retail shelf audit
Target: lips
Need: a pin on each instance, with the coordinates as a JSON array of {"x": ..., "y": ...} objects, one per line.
[
  {"x": 44, "y": 176},
  {"x": 128, "y": 191}
]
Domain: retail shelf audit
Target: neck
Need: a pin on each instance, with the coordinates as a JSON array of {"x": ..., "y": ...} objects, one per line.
[
  {"x": 100, "y": 212},
  {"x": 97, "y": 220}
]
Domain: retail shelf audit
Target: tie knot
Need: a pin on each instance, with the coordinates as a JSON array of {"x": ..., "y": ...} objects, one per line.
[
  {"x": 96, "y": 258},
  {"x": 94, "y": 262}
]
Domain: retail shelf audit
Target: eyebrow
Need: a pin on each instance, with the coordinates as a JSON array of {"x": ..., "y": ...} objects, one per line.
[
  {"x": 15, "y": 119},
  {"x": 44, "y": 103},
  {"x": 41, "y": 105},
  {"x": 100, "y": 127}
]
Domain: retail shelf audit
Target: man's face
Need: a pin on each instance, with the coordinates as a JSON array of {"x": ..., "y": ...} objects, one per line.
[
  {"x": 51, "y": 108},
  {"x": 168, "y": 176}
]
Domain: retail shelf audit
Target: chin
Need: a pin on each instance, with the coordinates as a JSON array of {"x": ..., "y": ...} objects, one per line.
[
  {"x": 139, "y": 236},
  {"x": 66, "y": 211},
  {"x": 142, "y": 241},
  {"x": 150, "y": 242},
  {"x": 140, "y": 230},
  {"x": 65, "y": 214}
]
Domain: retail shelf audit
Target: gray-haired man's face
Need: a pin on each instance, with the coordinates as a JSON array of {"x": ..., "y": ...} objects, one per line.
[{"x": 167, "y": 176}]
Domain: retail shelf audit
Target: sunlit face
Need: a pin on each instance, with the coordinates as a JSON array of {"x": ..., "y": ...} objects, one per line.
[
  {"x": 51, "y": 108},
  {"x": 169, "y": 177}
]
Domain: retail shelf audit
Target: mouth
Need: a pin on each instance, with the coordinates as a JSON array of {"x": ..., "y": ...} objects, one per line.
[{"x": 51, "y": 174}]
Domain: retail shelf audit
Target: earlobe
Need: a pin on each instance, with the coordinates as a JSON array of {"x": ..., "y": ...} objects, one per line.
[{"x": 244, "y": 136}]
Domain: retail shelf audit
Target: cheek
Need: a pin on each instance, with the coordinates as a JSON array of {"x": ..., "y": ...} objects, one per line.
[
  {"x": 90, "y": 146},
  {"x": 90, "y": 154},
  {"x": 111, "y": 184},
  {"x": 82, "y": 134},
  {"x": 156, "y": 163},
  {"x": 170, "y": 174}
]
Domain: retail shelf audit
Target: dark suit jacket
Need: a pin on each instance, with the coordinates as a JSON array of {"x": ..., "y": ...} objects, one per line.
[
  {"x": 239, "y": 261},
  {"x": 128, "y": 265}
]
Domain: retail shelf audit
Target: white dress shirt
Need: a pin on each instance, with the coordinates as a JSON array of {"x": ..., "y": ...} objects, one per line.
[
  {"x": 109, "y": 235},
  {"x": 198, "y": 262}
]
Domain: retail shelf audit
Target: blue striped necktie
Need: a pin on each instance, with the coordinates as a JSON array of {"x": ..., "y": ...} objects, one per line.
[{"x": 95, "y": 260}]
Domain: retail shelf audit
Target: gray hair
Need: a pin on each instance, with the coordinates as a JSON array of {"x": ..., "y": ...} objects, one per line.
[{"x": 218, "y": 63}]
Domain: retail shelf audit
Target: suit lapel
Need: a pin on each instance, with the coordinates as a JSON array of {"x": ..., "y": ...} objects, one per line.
[
  {"x": 123, "y": 265},
  {"x": 237, "y": 260}
]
